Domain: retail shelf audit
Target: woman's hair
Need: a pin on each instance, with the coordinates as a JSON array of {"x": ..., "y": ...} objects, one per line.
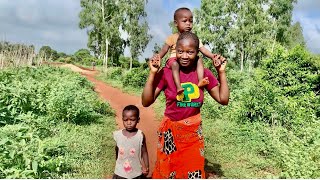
[
  {"x": 132, "y": 108},
  {"x": 175, "y": 15},
  {"x": 189, "y": 35}
]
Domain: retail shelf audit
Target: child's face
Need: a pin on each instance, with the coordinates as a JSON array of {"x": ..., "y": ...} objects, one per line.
[
  {"x": 184, "y": 21},
  {"x": 186, "y": 52},
  {"x": 130, "y": 120}
]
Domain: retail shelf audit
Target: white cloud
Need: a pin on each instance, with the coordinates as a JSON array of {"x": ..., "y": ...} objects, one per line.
[
  {"x": 307, "y": 12},
  {"x": 43, "y": 22}
]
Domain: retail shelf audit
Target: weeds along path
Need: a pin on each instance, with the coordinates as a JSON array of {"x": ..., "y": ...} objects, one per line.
[{"x": 118, "y": 100}]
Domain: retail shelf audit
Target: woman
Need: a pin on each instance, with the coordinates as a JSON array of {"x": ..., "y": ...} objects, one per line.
[{"x": 180, "y": 132}]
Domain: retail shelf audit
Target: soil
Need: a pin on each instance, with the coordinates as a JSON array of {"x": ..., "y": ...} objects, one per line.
[{"x": 118, "y": 100}]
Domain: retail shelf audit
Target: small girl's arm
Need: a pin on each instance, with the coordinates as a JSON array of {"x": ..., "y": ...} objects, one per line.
[{"x": 145, "y": 157}]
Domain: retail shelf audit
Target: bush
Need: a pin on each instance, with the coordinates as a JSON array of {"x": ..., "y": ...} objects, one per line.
[{"x": 136, "y": 77}]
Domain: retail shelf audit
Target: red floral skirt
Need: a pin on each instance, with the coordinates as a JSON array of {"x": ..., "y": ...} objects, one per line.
[{"x": 180, "y": 152}]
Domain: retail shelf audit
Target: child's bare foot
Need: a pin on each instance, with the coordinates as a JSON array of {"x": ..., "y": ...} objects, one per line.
[
  {"x": 180, "y": 94},
  {"x": 203, "y": 82}
]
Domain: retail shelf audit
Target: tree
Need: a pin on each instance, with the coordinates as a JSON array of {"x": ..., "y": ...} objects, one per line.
[
  {"x": 281, "y": 16},
  {"x": 83, "y": 55},
  {"x": 48, "y": 53},
  {"x": 295, "y": 36},
  {"x": 106, "y": 21},
  {"x": 156, "y": 48},
  {"x": 137, "y": 27},
  {"x": 241, "y": 29}
]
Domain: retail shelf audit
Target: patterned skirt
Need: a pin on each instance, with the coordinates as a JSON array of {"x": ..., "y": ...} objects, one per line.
[{"x": 180, "y": 152}]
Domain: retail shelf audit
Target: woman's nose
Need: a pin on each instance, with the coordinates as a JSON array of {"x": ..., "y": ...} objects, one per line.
[{"x": 184, "y": 55}]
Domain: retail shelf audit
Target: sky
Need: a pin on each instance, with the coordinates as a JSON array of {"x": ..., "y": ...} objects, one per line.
[{"x": 55, "y": 23}]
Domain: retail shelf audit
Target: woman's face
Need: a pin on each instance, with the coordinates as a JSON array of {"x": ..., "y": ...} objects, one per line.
[{"x": 186, "y": 52}]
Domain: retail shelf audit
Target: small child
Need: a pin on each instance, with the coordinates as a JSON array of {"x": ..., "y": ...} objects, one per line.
[
  {"x": 183, "y": 20},
  {"x": 131, "y": 150}
]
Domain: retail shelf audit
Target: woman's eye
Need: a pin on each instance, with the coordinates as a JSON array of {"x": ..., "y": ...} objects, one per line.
[{"x": 190, "y": 52}]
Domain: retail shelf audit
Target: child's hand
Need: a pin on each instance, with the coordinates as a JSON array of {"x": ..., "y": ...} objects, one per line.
[
  {"x": 156, "y": 60},
  {"x": 145, "y": 171},
  {"x": 216, "y": 61},
  {"x": 223, "y": 63},
  {"x": 154, "y": 63}
]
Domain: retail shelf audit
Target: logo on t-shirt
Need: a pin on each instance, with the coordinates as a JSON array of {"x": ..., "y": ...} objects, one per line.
[{"x": 191, "y": 91}]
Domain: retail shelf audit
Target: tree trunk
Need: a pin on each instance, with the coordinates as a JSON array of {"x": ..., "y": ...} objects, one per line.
[
  {"x": 241, "y": 59},
  {"x": 131, "y": 63},
  {"x": 106, "y": 57}
]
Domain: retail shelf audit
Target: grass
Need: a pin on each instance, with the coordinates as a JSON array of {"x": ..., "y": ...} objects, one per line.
[
  {"x": 90, "y": 148},
  {"x": 234, "y": 154}
]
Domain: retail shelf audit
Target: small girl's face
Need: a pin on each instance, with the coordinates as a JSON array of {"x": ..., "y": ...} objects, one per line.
[
  {"x": 130, "y": 120},
  {"x": 186, "y": 52},
  {"x": 184, "y": 21}
]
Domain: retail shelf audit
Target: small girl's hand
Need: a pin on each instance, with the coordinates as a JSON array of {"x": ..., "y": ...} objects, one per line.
[{"x": 145, "y": 171}]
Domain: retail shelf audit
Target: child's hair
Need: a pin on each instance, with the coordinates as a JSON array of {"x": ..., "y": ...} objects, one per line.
[
  {"x": 132, "y": 108},
  {"x": 189, "y": 35},
  {"x": 178, "y": 10}
]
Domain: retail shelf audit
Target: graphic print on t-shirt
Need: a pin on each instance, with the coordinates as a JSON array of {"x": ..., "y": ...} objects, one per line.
[{"x": 191, "y": 91}]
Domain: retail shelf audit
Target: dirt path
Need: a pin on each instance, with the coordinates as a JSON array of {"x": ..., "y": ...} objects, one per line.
[{"x": 118, "y": 100}]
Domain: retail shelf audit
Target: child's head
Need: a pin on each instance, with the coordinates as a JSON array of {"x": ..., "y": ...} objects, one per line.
[
  {"x": 183, "y": 19},
  {"x": 187, "y": 49},
  {"x": 130, "y": 117}
]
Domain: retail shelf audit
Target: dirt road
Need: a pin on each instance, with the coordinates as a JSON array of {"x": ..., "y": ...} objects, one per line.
[{"x": 118, "y": 100}]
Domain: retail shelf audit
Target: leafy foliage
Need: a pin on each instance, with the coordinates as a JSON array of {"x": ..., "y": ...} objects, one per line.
[{"x": 34, "y": 102}]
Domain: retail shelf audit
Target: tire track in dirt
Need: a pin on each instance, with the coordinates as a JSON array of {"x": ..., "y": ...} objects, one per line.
[{"x": 118, "y": 100}]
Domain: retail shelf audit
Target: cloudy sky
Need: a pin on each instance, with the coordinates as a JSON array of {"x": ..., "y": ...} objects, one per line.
[{"x": 55, "y": 22}]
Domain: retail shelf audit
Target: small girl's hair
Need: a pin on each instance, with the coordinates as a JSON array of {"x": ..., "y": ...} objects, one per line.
[
  {"x": 132, "y": 108},
  {"x": 178, "y": 10},
  {"x": 189, "y": 35}
]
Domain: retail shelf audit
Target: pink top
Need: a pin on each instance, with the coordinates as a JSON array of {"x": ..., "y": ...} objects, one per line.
[{"x": 193, "y": 95}]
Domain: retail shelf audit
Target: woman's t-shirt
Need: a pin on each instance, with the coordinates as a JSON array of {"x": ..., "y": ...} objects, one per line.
[{"x": 193, "y": 95}]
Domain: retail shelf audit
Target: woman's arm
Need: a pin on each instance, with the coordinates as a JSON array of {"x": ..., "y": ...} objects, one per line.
[
  {"x": 145, "y": 157},
  {"x": 221, "y": 93},
  {"x": 150, "y": 91}
]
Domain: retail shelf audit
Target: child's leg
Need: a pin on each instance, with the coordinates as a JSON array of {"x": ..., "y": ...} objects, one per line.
[
  {"x": 200, "y": 72},
  {"x": 176, "y": 76}
]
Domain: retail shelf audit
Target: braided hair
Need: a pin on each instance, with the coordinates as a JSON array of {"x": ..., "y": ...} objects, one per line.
[{"x": 189, "y": 35}]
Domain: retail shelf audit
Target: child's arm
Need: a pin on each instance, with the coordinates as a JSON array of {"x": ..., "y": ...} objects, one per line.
[
  {"x": 207, "y": 53},
  {"x": 161, "y": 54},
  {"x": 145, "y": 157},
  {"x": 164, "y": 50}
]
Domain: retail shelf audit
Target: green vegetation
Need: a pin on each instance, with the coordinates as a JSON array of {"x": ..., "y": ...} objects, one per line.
[
  {"x": 52, "y": 125},
  {"x": 270, "y": 129}
]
